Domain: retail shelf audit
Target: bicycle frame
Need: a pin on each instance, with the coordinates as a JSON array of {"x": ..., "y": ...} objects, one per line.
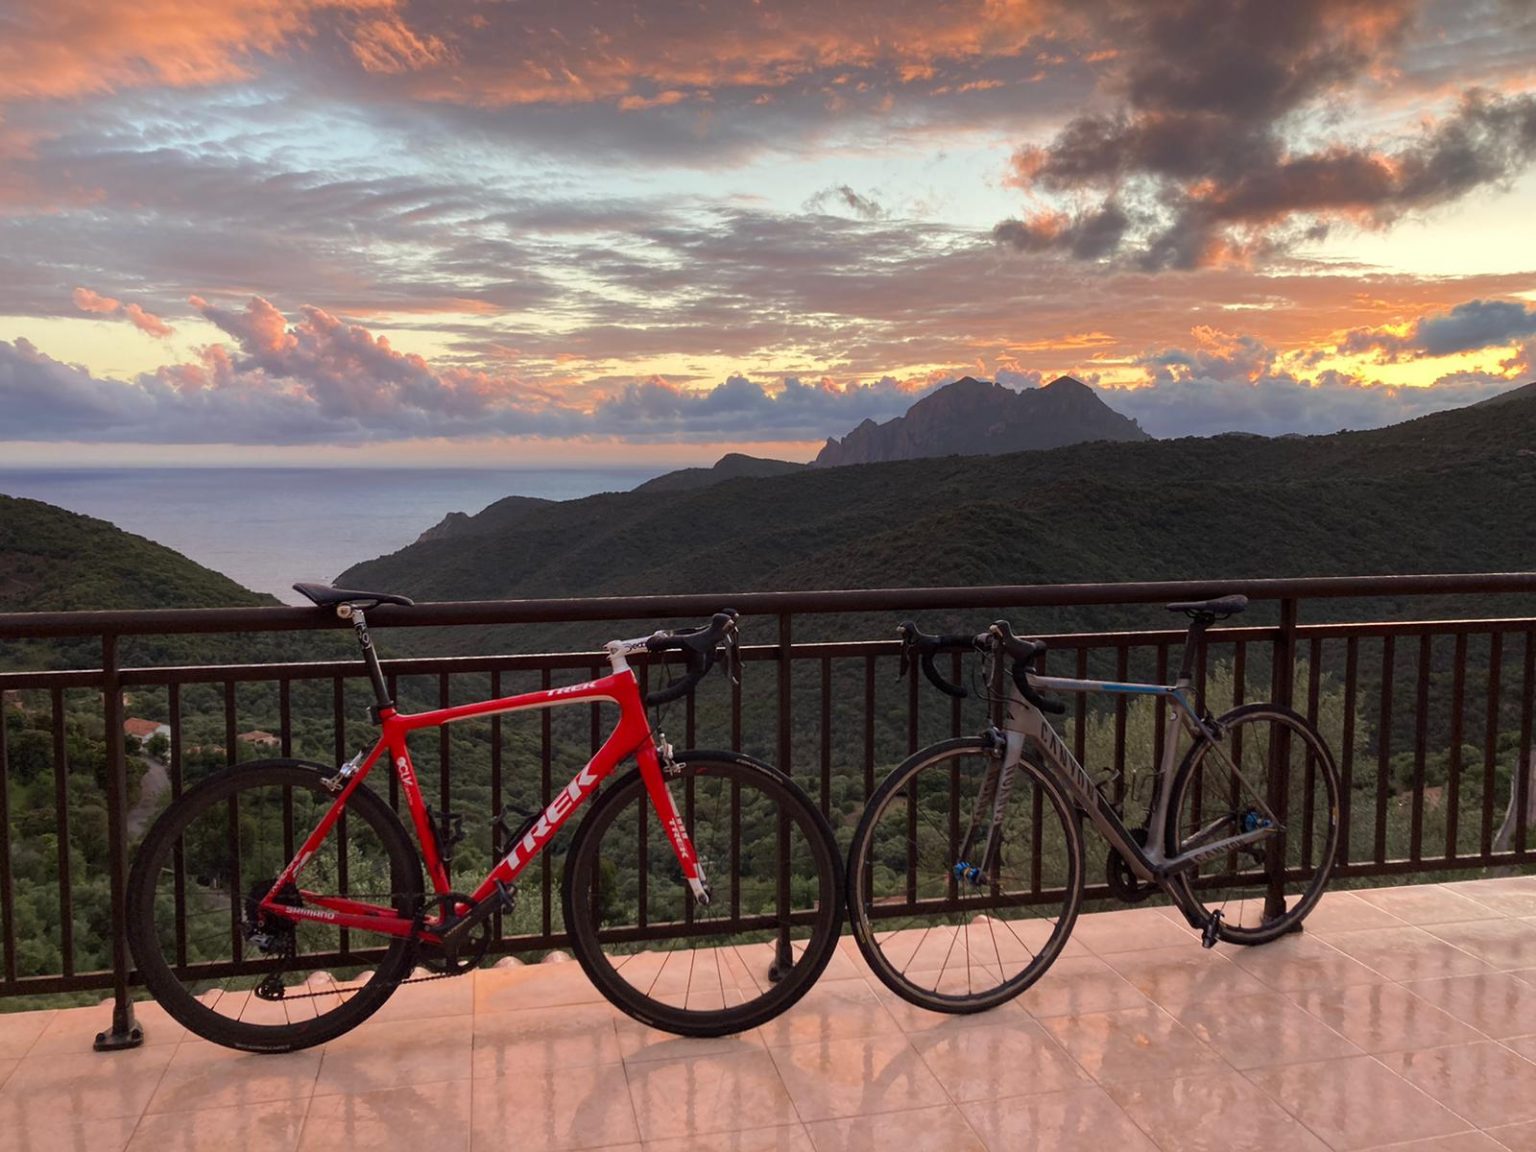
[
  {"x": 630, "y": 737},
  {"x": 1021, "y": 721}
]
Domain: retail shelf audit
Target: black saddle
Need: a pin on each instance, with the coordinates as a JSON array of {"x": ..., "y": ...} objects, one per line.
[
  {"x": 327, "y": 597},
  {"x": 1221, "y": 606}
]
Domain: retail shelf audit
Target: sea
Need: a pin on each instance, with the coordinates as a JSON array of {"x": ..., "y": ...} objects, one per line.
[{"x": 267, "y": 528}]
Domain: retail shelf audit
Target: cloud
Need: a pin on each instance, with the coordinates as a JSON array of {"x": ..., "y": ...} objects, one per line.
[
  {"x": 1213, "y": 155},
  {"x": 1235, "y": 383},
  {"x": 146, "y": 322},
  {"x": 864, "y": 207},
  {"x": 388, "y": 45},
  {"x": 1465, "y": 328}
]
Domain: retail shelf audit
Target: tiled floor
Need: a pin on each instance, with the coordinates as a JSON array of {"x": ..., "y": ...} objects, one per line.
[{"x": 1402, "y": 1018}]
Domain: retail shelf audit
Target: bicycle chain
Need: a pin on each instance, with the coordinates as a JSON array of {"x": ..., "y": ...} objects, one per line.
[{"x": 387, "y": 984}]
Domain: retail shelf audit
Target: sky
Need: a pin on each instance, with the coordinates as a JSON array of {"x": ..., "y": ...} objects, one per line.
[{"x": 589, "y": 232}]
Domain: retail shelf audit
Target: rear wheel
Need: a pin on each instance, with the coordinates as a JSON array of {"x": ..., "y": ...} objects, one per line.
[
  {"x": 775, "y": 907},
  {"x": 1269, "y": 766},
  {"x": 945, "y": 941},
  {"x": 241, "y": 977}
]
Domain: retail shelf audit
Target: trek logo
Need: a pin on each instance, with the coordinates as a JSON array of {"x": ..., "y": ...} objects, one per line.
[
  {"x": 550, "y": 819},
  {"x": 407, "y": 775},
  {"x": 568, "y": 689}
]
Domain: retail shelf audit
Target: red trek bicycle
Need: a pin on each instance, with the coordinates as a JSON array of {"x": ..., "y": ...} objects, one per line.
[{"x": 275, "y": 905}]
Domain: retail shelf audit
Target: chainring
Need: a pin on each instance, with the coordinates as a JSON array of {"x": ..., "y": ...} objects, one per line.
[
  {"x": 1124, "y": 884},
  {"x": 469, "y": 953}
]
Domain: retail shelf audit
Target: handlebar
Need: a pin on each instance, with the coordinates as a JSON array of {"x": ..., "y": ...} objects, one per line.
[
  {"x": 698, "y": 646},
  {"x": 999, "y": 636}
]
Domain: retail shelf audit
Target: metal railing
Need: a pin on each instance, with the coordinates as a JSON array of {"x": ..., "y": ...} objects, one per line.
[{"x": 1430, "y": 720}]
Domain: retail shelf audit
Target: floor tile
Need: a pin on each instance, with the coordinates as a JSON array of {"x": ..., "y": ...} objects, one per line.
[
  {"x": 1515, "y": 1137},
  {"x": 831, "y": 1010},
  {"x": 569, "y": 1036},
  {"x": 1494, "y": 1003},
  {"x": 856, "y": 1077},
  {"x": 911, "y": 1017},
  {"x": 1175, "y": 975},
  {"x": 1132, "y": 1044},
  {"x": 1500, "y": 944},
  {"x": 1002, "y": 1060},
  {"x": 1295, "y": 963},
  {"x": 41, "y": 1126},
  {"x": 430, "y": 999},
  {"x": 783, "y": 1138},
  {"x": 1412, "y": 953},
  {"x": 1458, "y": 1142},
  {"x": 409, "y": 1119},
  {"x": 1212, "y": 1112},
  {"x": 1131, "y": 930},
  {"x": 1385, "y": 1017},
  {"x": 1427, "y": 904},
  {"x": 397, "y": 1052},
  {"x": 75, "y": 1029},
  {"x": 941, "y": 1129},
  {"x": 546, "y": 1110},
  {"x": 532, "y": 986},
  {"x": 1506, "y": 900},
  {"x": 1355, "y": 1102},
  {"x": 1486, "y": 1083},
  {"x": 19, "y": 1030},
  {"x": 1337, "y": 912},
  {"x": 1073, "y": 986},
  {"x": 272, "y": 1127},
  {"x": 1082, "y": 1118},
  {"x": 708, "y": 1094},
  {"x": 83, "y": 1085},
  {"x": 204, "y": 1075},
  {"x": 1257, "y": 1031}
]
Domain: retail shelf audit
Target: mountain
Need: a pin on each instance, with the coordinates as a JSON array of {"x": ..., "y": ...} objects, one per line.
[
  {"x": 976, "y": 418},
  {"x": 1409, "y": 498},
  {"x": 502, "y": 514},
  {"x": 731, "y": 466},
  {"x": 52, "y": 560}
]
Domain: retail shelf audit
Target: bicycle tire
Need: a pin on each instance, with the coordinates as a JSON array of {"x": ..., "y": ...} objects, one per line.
[
  {"x": 611, "y": 950},
  {"x": 898, "y": 966},
  {"x": 1206, "y": 890},
  {"x": 154, "y": 943}
]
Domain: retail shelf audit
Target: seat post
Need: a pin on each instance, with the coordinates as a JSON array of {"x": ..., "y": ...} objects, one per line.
[
  {"x": 1198, "y": 623},
  {"x": 370, "y": 657}
]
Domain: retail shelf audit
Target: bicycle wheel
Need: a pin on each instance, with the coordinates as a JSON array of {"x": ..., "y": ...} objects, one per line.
[
  {"x": 1223, "y": 788},
  {"x": 936, "y": 939},
  {"x": 204, "y": 948},
  {"x": 774, "y": 915}
]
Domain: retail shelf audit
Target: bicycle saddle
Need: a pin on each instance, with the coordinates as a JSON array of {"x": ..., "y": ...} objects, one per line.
[{"x": 326, "y": 596}]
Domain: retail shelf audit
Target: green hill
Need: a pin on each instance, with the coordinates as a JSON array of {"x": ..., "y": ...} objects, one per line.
[
  {"x": 1455, "y": 491},
  {"x": 57, "y": 561}
]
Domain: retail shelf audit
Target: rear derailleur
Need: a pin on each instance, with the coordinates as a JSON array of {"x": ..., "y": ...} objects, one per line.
[{"x": 272, "y": 935}]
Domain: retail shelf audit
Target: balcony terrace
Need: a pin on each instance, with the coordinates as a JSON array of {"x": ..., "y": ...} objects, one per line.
[{"x": 1402, "y": 1018}]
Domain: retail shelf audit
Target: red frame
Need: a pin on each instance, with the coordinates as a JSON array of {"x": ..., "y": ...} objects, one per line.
[{"x": 631, "y": 736}]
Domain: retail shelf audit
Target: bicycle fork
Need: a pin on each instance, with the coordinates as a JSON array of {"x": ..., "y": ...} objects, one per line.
[{"x": 990, "y": 804}]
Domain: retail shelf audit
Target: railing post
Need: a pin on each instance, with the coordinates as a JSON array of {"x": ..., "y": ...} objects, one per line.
[
  {"x": 1282, "y": 692},
  {"x": 784, "y": 958},
  {"x": 125, "y": 1031}
]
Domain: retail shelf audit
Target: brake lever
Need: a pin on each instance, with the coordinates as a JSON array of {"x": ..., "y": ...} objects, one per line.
[{"x": 731, "y": 664}]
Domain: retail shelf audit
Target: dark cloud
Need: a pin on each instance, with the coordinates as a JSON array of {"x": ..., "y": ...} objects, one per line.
[
  {"x": 1203, "y": 162},
  {"x": 1465, "y": 328}
]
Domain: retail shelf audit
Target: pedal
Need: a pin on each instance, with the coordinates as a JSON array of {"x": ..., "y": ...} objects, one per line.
[{"x": 1212, "y": 930}]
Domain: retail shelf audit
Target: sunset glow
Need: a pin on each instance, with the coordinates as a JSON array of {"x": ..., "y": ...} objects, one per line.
[{"x": 489, "y": 233}]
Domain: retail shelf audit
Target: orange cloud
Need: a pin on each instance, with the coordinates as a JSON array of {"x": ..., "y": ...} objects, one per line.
[
  {"x": 65, "y": 48},
  {"x": 387, "y": 45},
  {"x": 147, "y": 322}
]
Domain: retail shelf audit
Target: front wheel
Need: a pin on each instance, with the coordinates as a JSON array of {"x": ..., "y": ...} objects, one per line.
[
  {"x": 775, "y": 899},
  {"x": 936, "y": 933},
  {"x": 1269, "y": 769}
]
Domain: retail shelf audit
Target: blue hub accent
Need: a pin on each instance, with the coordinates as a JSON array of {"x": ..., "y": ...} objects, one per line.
[
  {"x": 965, "y": 871},
  {"x": 1252, "y": 821}
]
